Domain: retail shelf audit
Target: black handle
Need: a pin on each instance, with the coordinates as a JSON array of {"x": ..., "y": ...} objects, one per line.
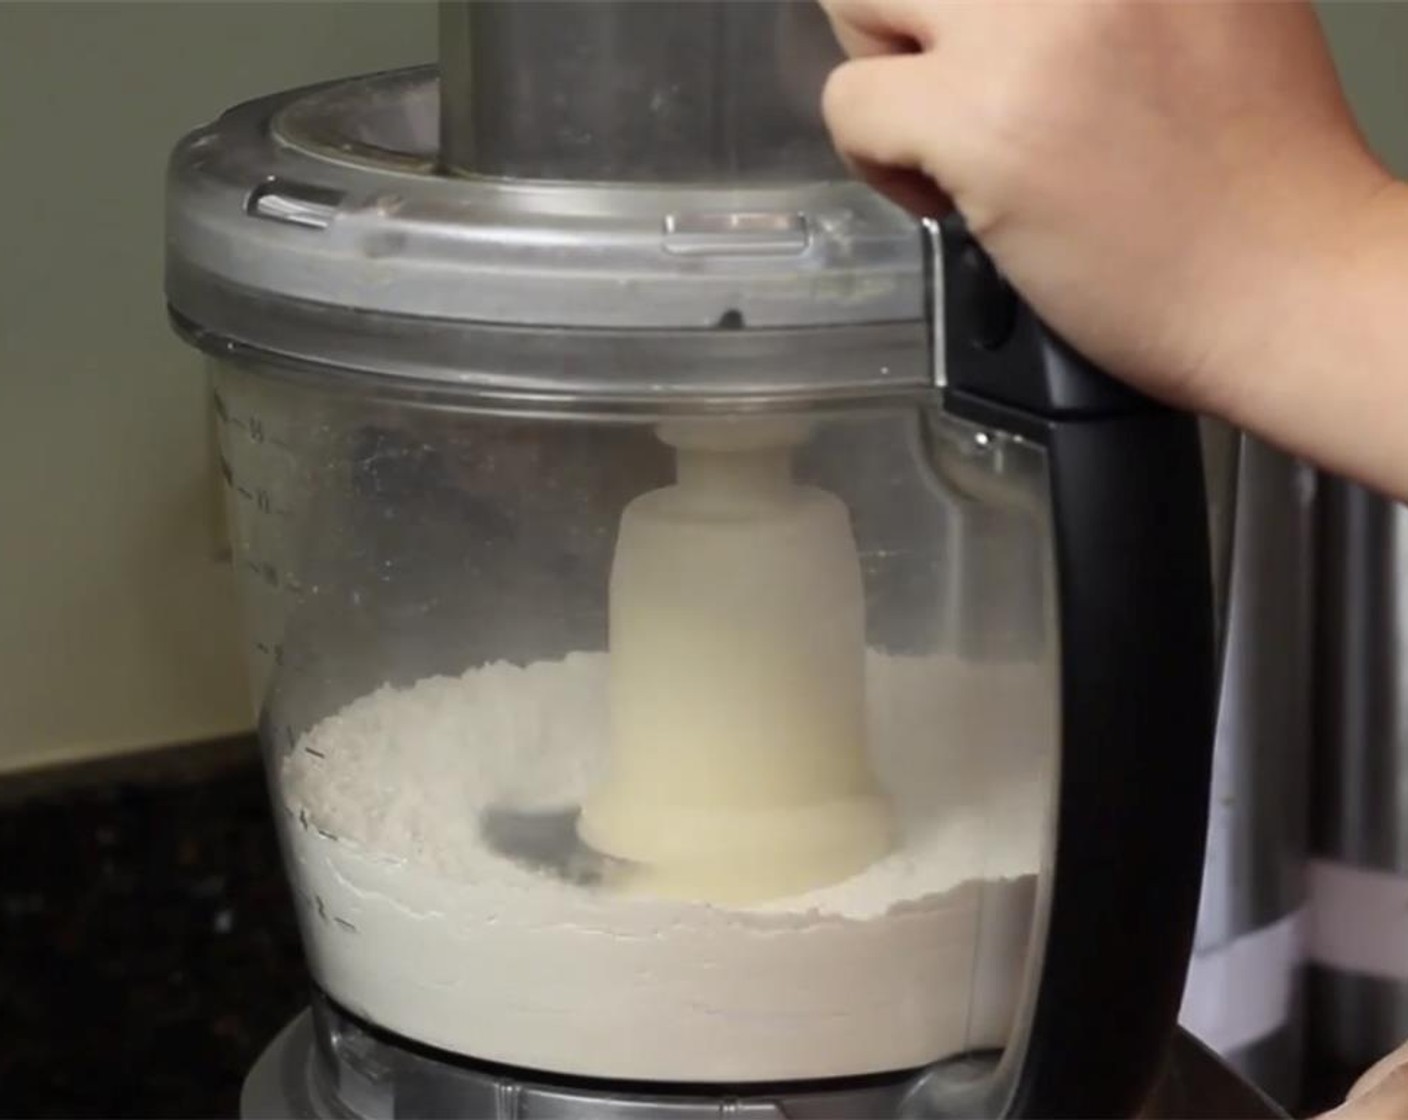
[
  {"x": 1137, "y": 699},
  {"x": 1133, "y": 575}
]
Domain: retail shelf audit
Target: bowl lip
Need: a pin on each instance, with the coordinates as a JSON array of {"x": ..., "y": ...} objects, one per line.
[
  {"x": 272, "y": 205},
  {"x": 578, "y": 395}
]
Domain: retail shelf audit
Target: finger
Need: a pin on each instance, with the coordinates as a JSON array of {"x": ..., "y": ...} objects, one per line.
[
  {"x": 879, "y": 111},
  {"x": 866, "y": 28},
  {"x": 1385, "y": 1099},
  {"x": 874, "y": 110},
  {"x": 1379, "y": 1071},
  {"x": 912, "y": 190},
  {"x": 859, "y": 43}
]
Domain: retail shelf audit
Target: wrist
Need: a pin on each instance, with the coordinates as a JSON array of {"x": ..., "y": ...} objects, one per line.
[
  {"x": 1288, "y": 275},
  {"x": 1315, "y": 354}
]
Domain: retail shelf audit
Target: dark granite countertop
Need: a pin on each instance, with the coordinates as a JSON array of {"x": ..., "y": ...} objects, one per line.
[{"x": 148, "y": 948}]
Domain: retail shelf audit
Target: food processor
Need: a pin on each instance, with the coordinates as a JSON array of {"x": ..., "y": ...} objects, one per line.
[{"x": 716, "y": 651}]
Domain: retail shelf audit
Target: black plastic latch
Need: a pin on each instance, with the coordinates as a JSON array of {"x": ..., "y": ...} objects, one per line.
[{"x": 985, "y": 304}]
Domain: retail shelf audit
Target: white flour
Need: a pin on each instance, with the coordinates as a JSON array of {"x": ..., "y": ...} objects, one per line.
[{"x": 412, "y": 922}]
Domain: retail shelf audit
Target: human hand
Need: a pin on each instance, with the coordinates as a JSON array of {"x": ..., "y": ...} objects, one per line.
[{"x": 1157, "y": 179}]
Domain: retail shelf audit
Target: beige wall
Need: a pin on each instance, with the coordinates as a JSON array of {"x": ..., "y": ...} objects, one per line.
[{"x": 117, "y": 623}]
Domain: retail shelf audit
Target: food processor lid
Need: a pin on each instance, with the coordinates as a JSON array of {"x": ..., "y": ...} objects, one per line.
[{"x": 321, "y": 225}]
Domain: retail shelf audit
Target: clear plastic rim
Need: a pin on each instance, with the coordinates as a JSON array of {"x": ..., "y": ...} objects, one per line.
[{"x": 473, "y": 397}]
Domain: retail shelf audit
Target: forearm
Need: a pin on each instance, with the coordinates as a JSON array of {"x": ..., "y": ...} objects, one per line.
[{"x": 1317, "y": 361}]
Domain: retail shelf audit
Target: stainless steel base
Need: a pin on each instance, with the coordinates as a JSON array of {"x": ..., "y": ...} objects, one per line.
[
  {"x": 336, "y": 1069},
  {"x": 281, "y": 1083}
]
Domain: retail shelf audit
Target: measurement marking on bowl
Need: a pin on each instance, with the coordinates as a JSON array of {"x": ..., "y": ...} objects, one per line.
[{"x": 265, "y": 571}]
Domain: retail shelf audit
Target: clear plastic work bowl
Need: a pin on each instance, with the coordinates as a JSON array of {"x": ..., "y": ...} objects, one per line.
[{"x": 431, "y": 628}]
